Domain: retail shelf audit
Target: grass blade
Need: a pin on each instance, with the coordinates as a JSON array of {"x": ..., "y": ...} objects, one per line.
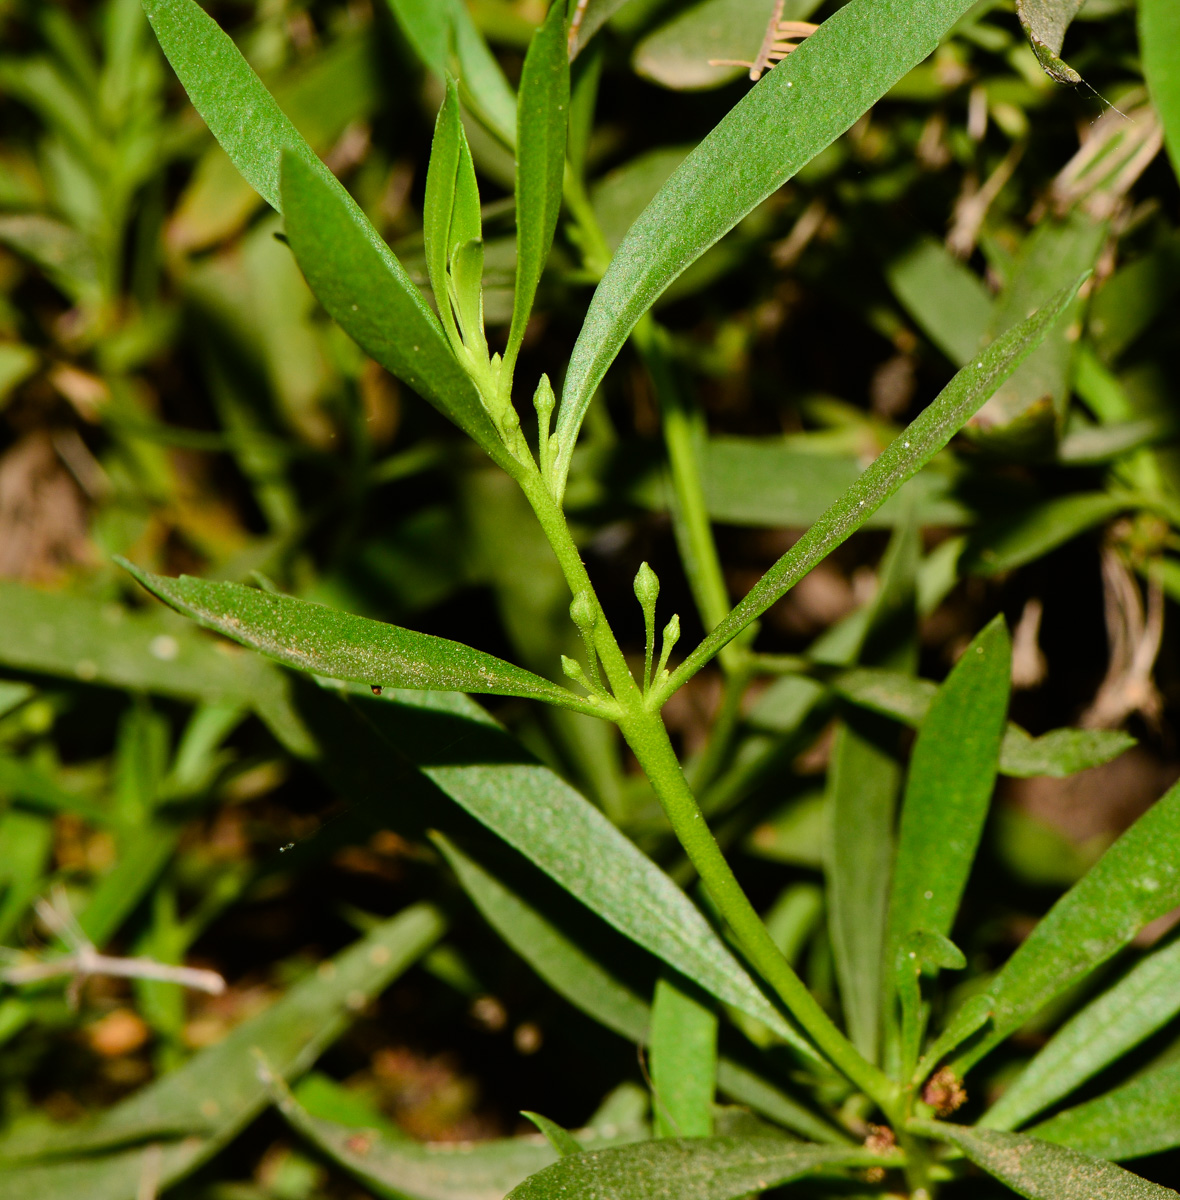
[
  {"x": 683, "y": 1060},
  {"x": 1041, "y": 1170},
  {"x": 1135, "y": 881},
  {"x": 952, "y": 774},
  {"x": 1144, "y": 1000},
  {"x": 689, "y": 1169},
  {"x": 902, "y": 459},
  {"x": 542, "y": 114},
  {"x": 1141, "y": 1117},
  {"x": 340, "y": 645},
  {"x": 796, "y": 110}
]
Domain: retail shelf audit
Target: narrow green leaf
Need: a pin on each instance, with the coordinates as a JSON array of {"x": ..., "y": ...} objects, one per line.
[
  {"x": 1058, "y": 753},
  {"x": 946, "y": 298},
  {"x": 219, "y": 1091},
  {"x": 683, "y": 1058},
  {"x": 439, "y": 204},
  {"x": 863, "y": 783},
  {"x": 1159, "y": 46},
  {"x": 241, "y": 114},
  {"x": 689, "y": 1169},
  {"x": 1045, "y": 23},
  {"x": 1041, "y": 1170},
  {"x": 796, "y": 110},
  {"x": 1135, "y": 881},
  {"x": 359, "y": 280},
  {"x": 343, "y": 646},
  {"x": 582, "y": 979},
  {"x": 1144, "y": 1000},
  {"x": 33, "y": 787},
  {"x": 560, "y": 1139},
  {"x": 1141, "y": 1117},
  {"x": 1016, "y": 540},
  {"x": 26, "y": 842},
  {"x": 435, "y": 28},
  {"x": 542, "y": 115},
  {"x": 951, "y": 777},
  {"x": 902, "y": 459},
  {"x": 479, "y": 1171},
  {"x": 588, "y": 18}
]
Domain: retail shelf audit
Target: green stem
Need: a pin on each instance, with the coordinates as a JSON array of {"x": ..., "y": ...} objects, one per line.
[{"x": 647, "y": 737}]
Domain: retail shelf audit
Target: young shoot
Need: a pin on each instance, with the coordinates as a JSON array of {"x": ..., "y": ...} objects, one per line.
[{"x": 647, "y": 591}]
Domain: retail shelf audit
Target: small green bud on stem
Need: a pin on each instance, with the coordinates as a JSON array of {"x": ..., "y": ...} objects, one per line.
[
  {"x": 647, "y": 591},
  {"x": 671, "y": 637},
  {"x": 584, "y": 614}
]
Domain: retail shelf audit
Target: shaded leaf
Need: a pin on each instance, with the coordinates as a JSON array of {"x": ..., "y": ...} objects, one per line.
[
  {"x": 796, "y": 110},
  {"x": 948, "y": 791},
  {"x": 1144, "y": 1000},
  {"x": 949, "y": 302},
  {"x": 902, "y": 459},
  {"x": 1042, "y": 1171},
  {"x": 1135, "y": 881},
  {"x": 343, "y": 646},
  {"x": 683, "y": 1060},
  {"x": 1141, "y": 1117}
]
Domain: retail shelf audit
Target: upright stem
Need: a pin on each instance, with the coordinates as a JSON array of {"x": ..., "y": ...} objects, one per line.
[{"x": 647, "y": 737}]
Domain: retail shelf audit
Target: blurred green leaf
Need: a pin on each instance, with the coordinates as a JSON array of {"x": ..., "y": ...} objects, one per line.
[
  {"x": 758, "y": 481},
  {"x": 1141, "y": 1117},
  {"x": 903, "y": 458},
  {"x": 951, "y": 777},
  {"x": 815, "y": 95},
  {"x": 26, "y": 842},
  {"x": 542, "y": 115},
  {"x": 1144, "y": 1000},
  {"x": 1135, "y": 881},
  {"x": 1058, "y": 753},
  {"x": 342, "y": 646},
  {"x": 1040, "y": 1170},
  {"x": 683, "y": 1058},
  {"x": 690, "y": 1169},
  {"x": 1013, "y": 541},
  {"x": 1027, "y": 413},
  {"x": 62, "y": 253},
  {"x": 435, "y": 28},
  {"x": 949, "y": 302},
  {"x": 624, "y": 192}
]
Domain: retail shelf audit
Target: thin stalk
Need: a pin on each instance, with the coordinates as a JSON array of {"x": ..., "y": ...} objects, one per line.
[{"x": 647, "y": 737}]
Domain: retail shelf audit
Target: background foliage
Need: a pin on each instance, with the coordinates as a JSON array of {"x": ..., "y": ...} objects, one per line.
[{"x": 172, "y": 392}]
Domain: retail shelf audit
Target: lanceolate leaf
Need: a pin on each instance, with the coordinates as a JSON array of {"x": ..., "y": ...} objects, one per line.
[
  {"x": 796, "y": 110},
  {"x": 542, "y": 115},
  {"x": 1045, "y": 23},
  {"x": 241, "y": 114},
  {"x": 1135, "y": 881},
  {"x": 952, "y": 774},
  {"x": 359, "y": 280},
  {"x": 1043, "y": 1171},
  {"x": 902, "y": 459},
  {"x": 342, "y": 646},
  {"x": 1141, "y": 1117},
  {"x": 688, "y": 1169},
  {"x": 1140, "y": 1003}
]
